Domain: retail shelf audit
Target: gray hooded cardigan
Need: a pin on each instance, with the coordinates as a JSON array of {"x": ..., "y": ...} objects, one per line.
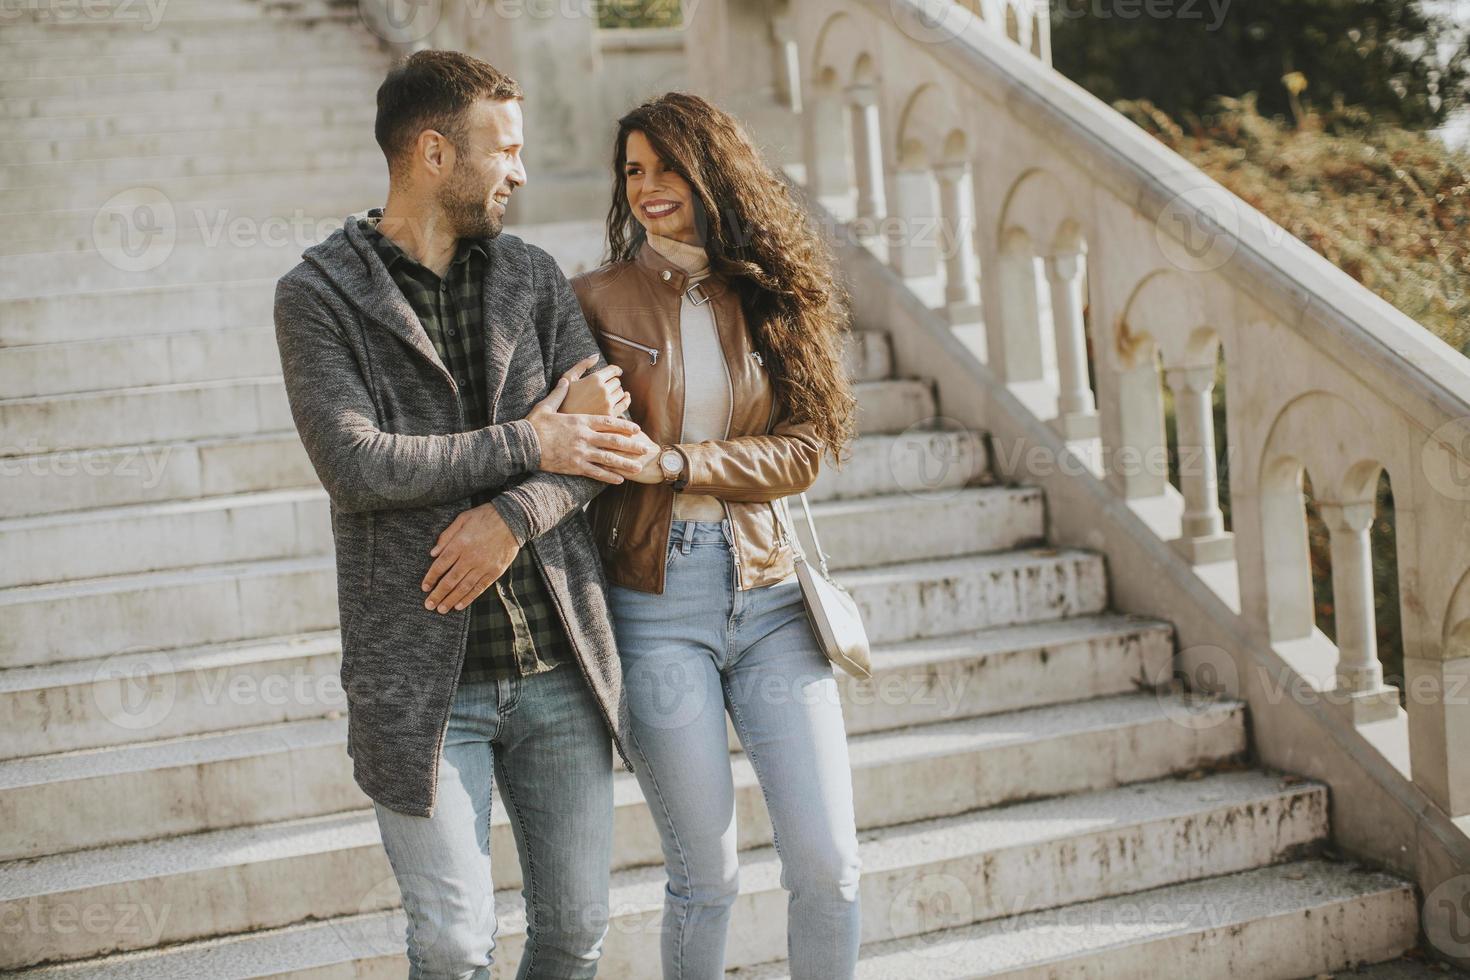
[{"x": 380, "y": 420}]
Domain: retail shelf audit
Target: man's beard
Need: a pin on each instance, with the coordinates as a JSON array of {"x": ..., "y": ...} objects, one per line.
[{"x": 464, "y": 205}]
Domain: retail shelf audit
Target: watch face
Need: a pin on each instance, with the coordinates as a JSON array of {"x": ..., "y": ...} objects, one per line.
[{"x": 671, "y": 462}]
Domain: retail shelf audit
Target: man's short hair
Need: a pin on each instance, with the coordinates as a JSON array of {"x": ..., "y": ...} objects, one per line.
[{"x": 434, "y": 90}]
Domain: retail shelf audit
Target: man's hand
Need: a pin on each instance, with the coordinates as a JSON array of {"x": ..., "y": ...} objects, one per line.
[
  {"x": 603, "y": 447},
  {"x": 471, "y": 553}
]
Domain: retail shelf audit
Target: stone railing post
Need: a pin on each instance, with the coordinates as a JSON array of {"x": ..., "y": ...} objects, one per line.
[
  {"x": 1076, "y": 412},
  {"x": 1359, "y": 673},
  {"x": 957, "y": 241},
  {"x": 868, "y": 156},
  {"x": 1203, "y": 537},
  {"x": 912, "y": 239}
]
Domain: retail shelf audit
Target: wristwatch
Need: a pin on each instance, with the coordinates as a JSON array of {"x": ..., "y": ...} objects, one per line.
[{"x": 671, "y": 464}]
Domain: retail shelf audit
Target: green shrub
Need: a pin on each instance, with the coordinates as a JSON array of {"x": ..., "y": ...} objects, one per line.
[
  {"x": 639, "y": 13},
  {"x": 1390, "y": 207}
]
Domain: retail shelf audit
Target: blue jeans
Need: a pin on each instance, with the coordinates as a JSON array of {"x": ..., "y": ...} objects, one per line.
[
  {"x": 704, "y": 647},
  {"x": 542, "y": 738}
]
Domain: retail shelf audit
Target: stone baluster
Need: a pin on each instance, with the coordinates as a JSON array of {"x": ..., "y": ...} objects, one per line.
[
  {"x": 957, "y": 241},
  {"x": 1359, "y": 673},
  {"x": 1203, "y": 537},
  {"x": 868, "y": 156},
  {"x": 1076, "y": 412}
]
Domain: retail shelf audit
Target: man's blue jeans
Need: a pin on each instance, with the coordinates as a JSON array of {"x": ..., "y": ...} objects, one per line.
[
  {"x": 542, "y": 739},
  {"x": 704, "y": 647}
]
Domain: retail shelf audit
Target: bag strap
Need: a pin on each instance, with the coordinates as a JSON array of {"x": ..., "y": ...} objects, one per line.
[{"x": 811, "y": 526}]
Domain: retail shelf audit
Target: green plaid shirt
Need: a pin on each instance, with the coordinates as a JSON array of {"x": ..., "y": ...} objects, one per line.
[{"x": 514, "y": 625}]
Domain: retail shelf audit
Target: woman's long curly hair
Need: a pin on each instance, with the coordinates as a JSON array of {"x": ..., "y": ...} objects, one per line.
[{"x": 762, "y": 242}]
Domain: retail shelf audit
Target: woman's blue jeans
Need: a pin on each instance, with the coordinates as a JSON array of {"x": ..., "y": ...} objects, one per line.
[{"x": 700, "y": 649}]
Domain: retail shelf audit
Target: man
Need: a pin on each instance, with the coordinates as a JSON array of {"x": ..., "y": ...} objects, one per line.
[{"x": 418, "y": 344}]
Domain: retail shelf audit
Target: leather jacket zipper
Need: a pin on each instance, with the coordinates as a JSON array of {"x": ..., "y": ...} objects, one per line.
[
  {"x": 652, "y": 352},
  {"x": 612, "y": 537}
]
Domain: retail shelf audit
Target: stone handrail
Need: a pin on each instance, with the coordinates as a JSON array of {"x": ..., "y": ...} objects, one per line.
[{"x": 1033, "y": 226}]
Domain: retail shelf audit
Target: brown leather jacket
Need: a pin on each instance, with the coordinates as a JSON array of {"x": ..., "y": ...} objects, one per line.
[{"x": 633, "y": 310}]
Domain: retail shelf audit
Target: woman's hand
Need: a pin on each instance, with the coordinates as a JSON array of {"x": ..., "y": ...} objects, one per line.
[
  {"x": 596, "y": 393},
  {"x": 652, "y": 472}
]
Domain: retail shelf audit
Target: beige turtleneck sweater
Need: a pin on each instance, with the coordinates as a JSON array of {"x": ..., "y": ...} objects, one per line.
[{"x": 706, "y": 378}]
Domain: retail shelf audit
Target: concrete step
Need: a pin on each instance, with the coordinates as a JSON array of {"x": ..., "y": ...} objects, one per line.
[
  {"x": 51, "y": 483},
  {"x": 145, "y": 303},
  {"x": 220, "y": 245},
  {"x": 157, "y": 29},
  {"x": 237, "y": 406},
  {"x": 913, "y": 600},
  {"x": 138, "y": 310},
  {"x": 900, "y": 527},
  {"x": 1301, "y": 919},
  {"x": 135, "y": 697},
  {"x": 181, "y": 357},
  {"x": 1133, "y": 837},
  {"x": 150, "y": 14},
  {"x": 922, "y": 460},
  {"x": 191, "y": 784},
  {"x": 868, "y": 355},
  {"x": 251, "y": 149},
  {"x": 208, "y": 354},
  {"x": 894, "y": 405},
  {"x": 296, "y": 522},
  {"x": 1413, "y": 965},
  {"x": 141, "y": 232},
  {"x": 1009, "y": 668},
  {"x": 128, "y": 698},
  {"x": 53, "y": 90},
  {"x": 359, "y": 153},
  {"x": 92, "y": 618},
  {"x": 88, "y": 618},
  {"x": 165, "y": 102},
  {"x": 184, "y": 65},
  {"x": 199, "y": 123},
  {"x": 98, "y": 38},
  {"x": 292, "y": 523},
  {"x": 121, "y": 416}
]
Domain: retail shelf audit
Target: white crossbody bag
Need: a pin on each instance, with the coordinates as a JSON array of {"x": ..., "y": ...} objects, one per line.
[{"x": 831, "y": 610}]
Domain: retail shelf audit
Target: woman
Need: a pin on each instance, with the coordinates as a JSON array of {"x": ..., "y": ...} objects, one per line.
[{"x": 719, "y": 306}]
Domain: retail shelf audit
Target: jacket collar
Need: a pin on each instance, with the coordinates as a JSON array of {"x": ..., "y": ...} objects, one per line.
[
  {"x": 349, "y": 259},
  {"x": 669, "y": 275}
]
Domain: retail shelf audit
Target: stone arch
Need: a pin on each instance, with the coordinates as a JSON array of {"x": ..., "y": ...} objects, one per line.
[
  {"x": 1314, "y": 428},
  {"x": 1308, "y": 436},
  {"x": 1040, "y": 206},
  {"x": 928, "y": 128},
  {"x": 844, "y": 48},
  {"x": 1170, "y": 313}
]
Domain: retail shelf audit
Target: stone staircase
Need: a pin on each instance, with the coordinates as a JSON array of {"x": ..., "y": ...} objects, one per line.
[{"x": 1035, "y": 798}]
